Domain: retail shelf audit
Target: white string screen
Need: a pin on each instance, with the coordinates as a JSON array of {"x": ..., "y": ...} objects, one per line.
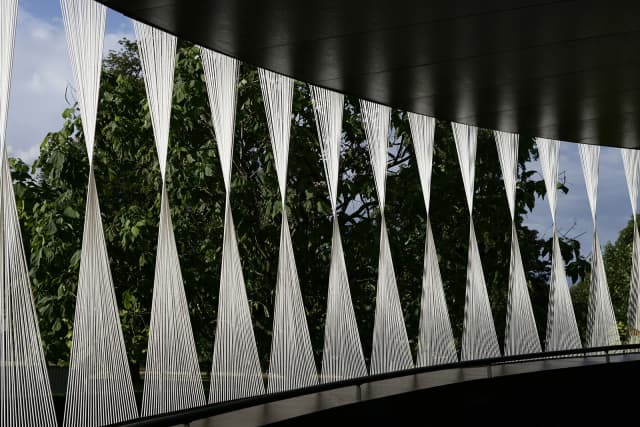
[
  {"x": 521, "y": 334},
  {"x": 235, "y": 369},
  {"x": 25, "y": 394},
  {"x": 602, "y": 329},
  {"x": 562, "y": 329},
  {"x": 631, "y": 163},
  {"x": 157, "y": 51},
  {"x": 390, "y": 351},
  {"x": 292, "y": 364},
  {"x": 435, "y": 341},
  {"x": 8, "y": 19},
  {"x": 172, "y": 378},
  {"x": 342, "y": 357},
  {"x": 479, "y": 339},
  {"x": 99, "y": 388}
]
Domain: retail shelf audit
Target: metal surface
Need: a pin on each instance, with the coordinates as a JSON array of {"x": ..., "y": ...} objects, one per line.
[
  {"x": 558, "y": 69},
  {"x": 279, "y": 407}
]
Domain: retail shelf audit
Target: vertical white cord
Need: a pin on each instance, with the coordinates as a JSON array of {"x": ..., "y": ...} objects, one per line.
[
  {"x": 25, "y": 393},
  {"x": 292, "y": 364},
  {"x": 435, "y": 342},
  {"x": 235, "y": 368},
  {"x": 8, "y": 19},
  {"x": 390, "y": 351},
  {"x": 521, "y": 333},
  {"x": 172, "y": 378},
  {"x": 99, "y": 388},
  {"x": 342, "y": 357},
  {"x": 602, "y": 329},
  {"x": 479, "y": 339},
  {"x": 562, "y": 329},
  {"x": 631, "y": 163}
]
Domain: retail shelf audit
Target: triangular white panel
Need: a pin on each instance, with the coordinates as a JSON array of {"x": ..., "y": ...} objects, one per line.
[
  {"x": 466, "y": 138},
  {"x": 631, "y": 164},
  {"x": 292, "y": 365},
  {"x": 157, "y": 51},
  {"x": 84, "y": 22},
  {"x": 25, "y": 394},
  {"x": 235, "y": 371},
  {"x": 8, "y": 19},
  {"x": 562, "y": 329},
  {"x": 634, "y": 290},
  {"x": 342, "y": 357},
  {"x": 602, "y": 329},
  {"x": 521, "y": 334},
  {"x": 549, "y": 155},
  {"x": 277, "y": 95},
  {"x": 479, "y": 339},
  {"x": 390, "y": 351},
  {"x": 99, "y": 388},
  {"x": 376, "y": 119},
  {"x": 172, "y": 378},
  {"x": 435, "y": 343},
  {"x": 221, "y": 76}
]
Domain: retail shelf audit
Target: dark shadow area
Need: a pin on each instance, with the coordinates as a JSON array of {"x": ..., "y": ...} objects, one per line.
[{"x": 573, "y": 396}]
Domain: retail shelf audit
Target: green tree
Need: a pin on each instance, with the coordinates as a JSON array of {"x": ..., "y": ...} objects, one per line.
[{"x": 51, "y": 197}]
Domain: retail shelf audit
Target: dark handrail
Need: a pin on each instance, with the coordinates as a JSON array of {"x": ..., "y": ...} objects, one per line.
[{"x": 200, "y": 412}]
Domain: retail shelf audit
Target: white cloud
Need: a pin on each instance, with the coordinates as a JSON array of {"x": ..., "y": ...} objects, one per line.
[
  {"x": 28, "y": 155},
  {"x": 41, "y": 76},
  {"x": 41, "y": 73}
]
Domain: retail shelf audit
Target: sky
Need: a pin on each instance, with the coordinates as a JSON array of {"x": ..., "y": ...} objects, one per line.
[{"x": 42, "y": 74}]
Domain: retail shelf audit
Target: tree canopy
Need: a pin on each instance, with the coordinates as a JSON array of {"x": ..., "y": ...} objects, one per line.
[{"x": 51, "y": 198}]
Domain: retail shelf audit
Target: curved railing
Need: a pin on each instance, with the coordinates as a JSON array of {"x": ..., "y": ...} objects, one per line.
[{"x": 191, "y": 415}]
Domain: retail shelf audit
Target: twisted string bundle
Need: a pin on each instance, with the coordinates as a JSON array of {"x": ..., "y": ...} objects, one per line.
[
  {"x": 562, "y": 329},
  {"x": 521, "y": 333},
  {"x": 602, "y": 329},
  {"x": 25, "y": 394},
  {"x": 390, "y": 351},
  {"x": 172, "y": 376},
  {"x": 479, "y": 339},
  {"x": 631, "y": 164},
  {"x": 342, "y": 357},
  {"x": 99, "y": 388},
  {"x": 435, "y": 342},
  {"x": 235, "y": 369},
  {"x": 292, "y": 364}
]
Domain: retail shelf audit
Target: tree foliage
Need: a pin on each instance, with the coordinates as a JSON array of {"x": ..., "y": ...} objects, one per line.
[{"x": 51, "y": 198}]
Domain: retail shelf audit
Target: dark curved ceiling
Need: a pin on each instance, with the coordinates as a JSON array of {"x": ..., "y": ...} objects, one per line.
[{"x": 560, "y": 69}]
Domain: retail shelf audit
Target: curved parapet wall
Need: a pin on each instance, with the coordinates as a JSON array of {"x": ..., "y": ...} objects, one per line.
[{"x": 492, "y": 391}]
